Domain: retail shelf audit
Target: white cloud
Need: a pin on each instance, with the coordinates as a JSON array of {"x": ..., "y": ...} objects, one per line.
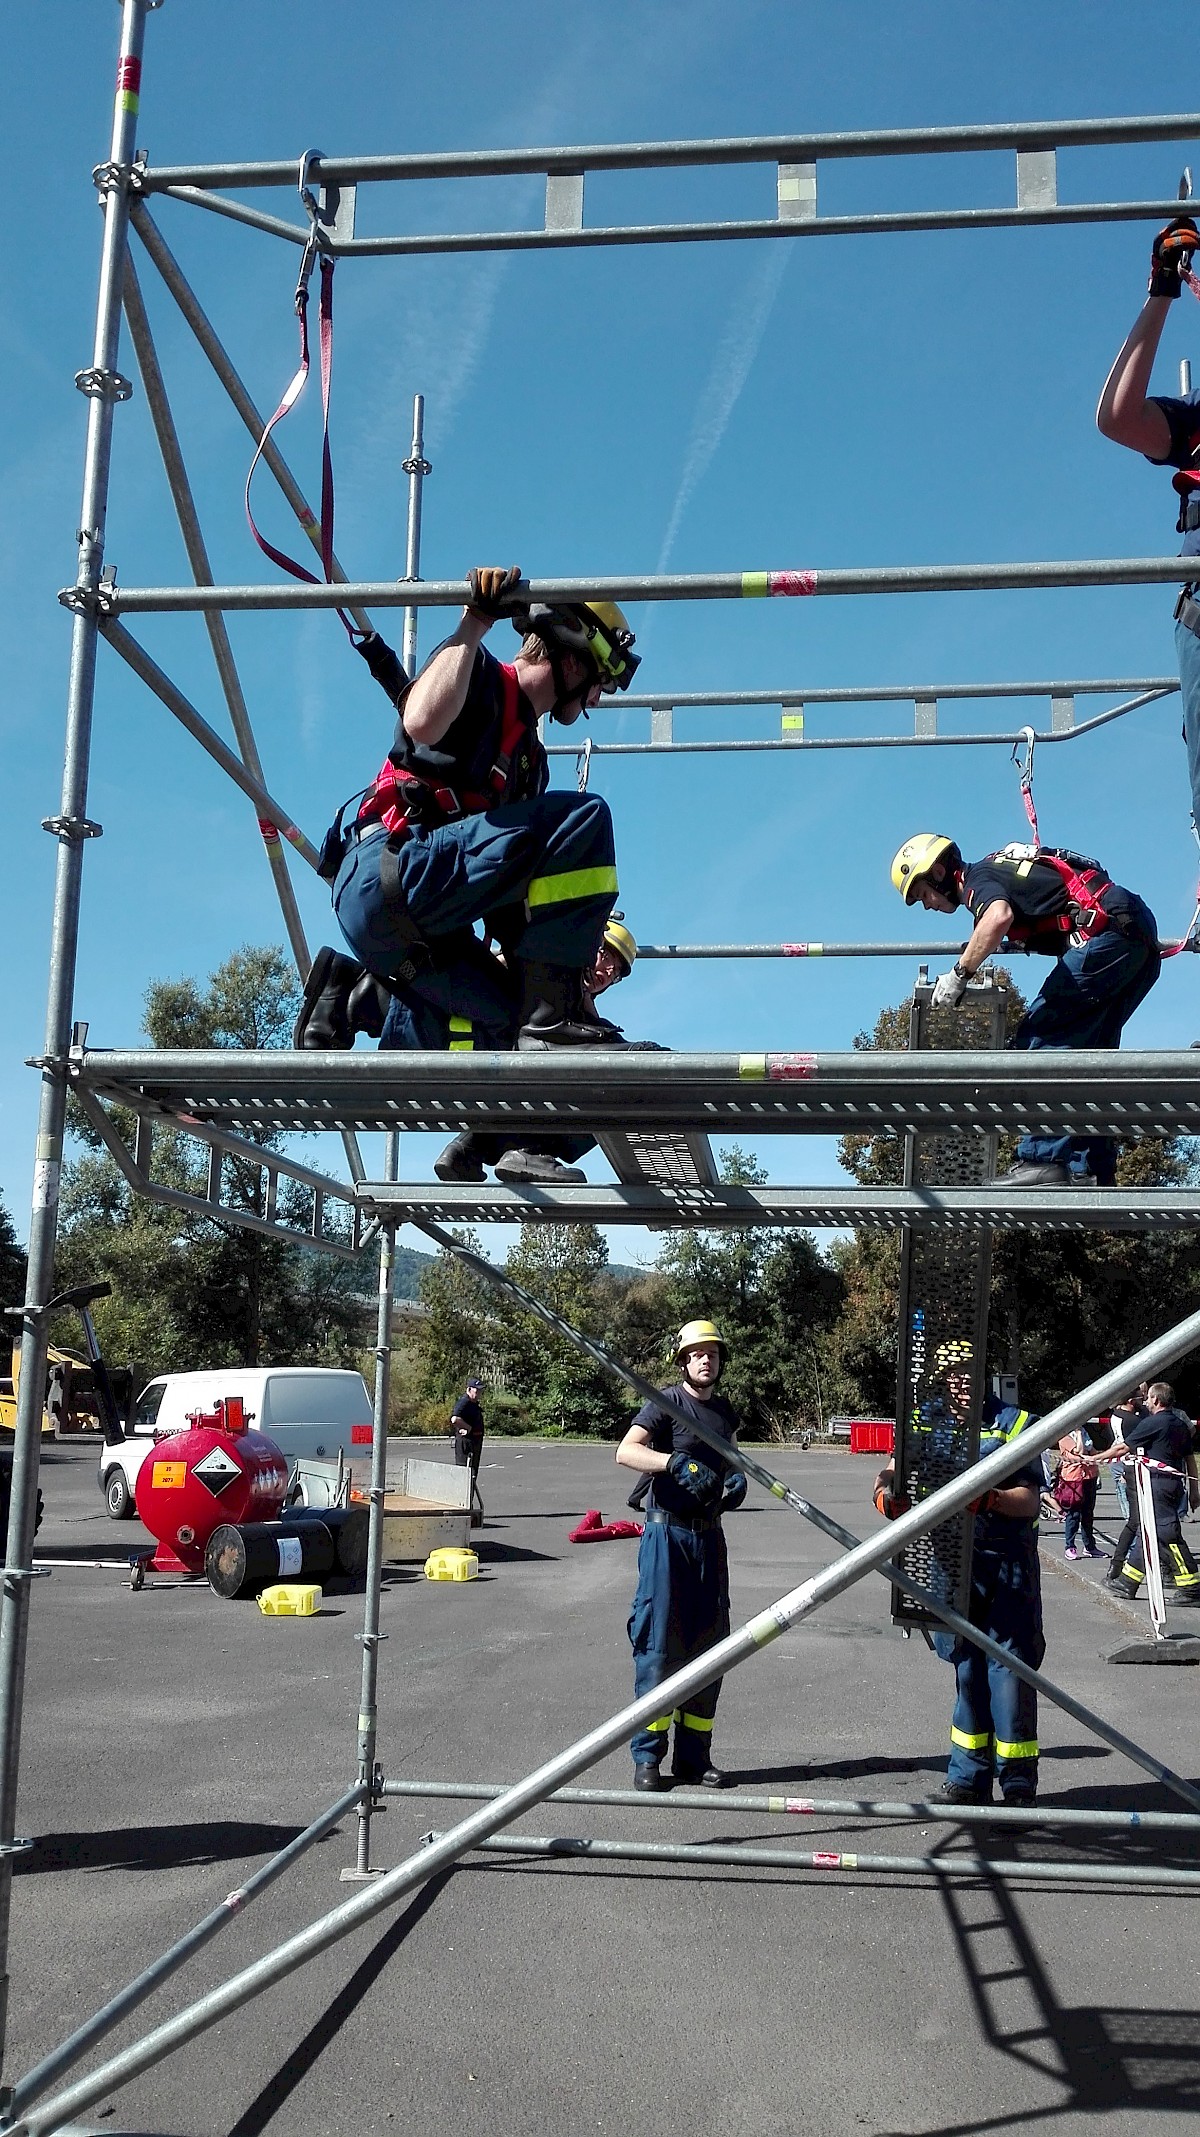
[{"x": 731, "y": 366}]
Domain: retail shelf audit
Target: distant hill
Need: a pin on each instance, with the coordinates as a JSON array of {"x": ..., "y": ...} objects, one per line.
[{"x": 410, "y": 1263}]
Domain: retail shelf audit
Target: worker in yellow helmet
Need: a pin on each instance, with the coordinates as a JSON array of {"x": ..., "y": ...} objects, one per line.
[
  {"x": 545, "y": 1160},
  {"x": 681, "y": 1607},
  {"x": 1059, "y": 904},
  {"x": 457, "y": 825}
]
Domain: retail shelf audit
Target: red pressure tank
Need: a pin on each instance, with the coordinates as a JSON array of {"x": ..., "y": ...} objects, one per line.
[{"x": 218, "y": 1470}]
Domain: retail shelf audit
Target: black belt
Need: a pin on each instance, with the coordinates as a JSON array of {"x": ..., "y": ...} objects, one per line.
[
  {"x": 1187, "y": 612},
  {"x": 698, "y": 1523}
]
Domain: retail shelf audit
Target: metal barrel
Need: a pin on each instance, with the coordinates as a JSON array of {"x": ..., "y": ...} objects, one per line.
[{"x": 241, "y": 1562}]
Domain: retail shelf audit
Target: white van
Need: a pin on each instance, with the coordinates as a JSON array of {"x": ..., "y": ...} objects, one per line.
[{"x": 305, "y": 1409}]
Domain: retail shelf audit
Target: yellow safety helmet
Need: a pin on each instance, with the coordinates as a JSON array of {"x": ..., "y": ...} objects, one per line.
[
  {"x": 695, "y": 1333},
  {"x": 620, "y": 941},
  {"x": 954, "y": 1356},
  {"x": 597, "y": 632},
  {"x": 915, "y": 859}
]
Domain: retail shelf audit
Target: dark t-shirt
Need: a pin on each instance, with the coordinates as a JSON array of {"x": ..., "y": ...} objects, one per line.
[
  {"x": 668, "y": 1437},
  {"x": 1036, "y": 893},
  {"x": 470, "y": 747},
  {"x": 1183, "y": 415},
  {"x": 468, "y": 1412},
  {"x": 1165, "y": 1435},
  {"x": 1007, "y": 1532}
]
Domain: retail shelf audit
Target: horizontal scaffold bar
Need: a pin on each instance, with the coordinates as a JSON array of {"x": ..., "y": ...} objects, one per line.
[
  {"x": 964, "y": 1209},
  {"x": 1130, "y": 1095},
  {"x": 634, "y": 155},
  {"x": 896, "y": 694},
  {"x": 660, "y": 586},
  {"x": 674, "y": 950}
]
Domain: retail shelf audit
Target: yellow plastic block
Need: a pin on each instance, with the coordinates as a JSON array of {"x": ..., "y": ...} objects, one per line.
[
  {"x": 452, "y": 1562},
  {"x": 290, "y": 1599}
]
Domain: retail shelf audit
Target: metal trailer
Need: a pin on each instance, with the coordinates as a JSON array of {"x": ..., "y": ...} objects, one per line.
[{"x": 220, "y": 1096}]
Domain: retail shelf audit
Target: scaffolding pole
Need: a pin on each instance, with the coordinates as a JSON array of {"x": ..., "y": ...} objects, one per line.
[
  {"x": 104, "y": 387},
  {"x": 748, "y": 1640},
  {"x": 1134, "y": 1878},
  {"x": 669, "y": 586},
  {"x": 368, "y": 1702}
]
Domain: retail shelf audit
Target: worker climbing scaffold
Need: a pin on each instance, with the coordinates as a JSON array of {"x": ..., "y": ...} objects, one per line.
[
  {"x": 1058, "y": 904},
  {"x": 458, "y": 827}
]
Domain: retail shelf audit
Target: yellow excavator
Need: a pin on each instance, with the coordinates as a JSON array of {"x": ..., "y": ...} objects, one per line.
[{"x": 81, "y": 1395}]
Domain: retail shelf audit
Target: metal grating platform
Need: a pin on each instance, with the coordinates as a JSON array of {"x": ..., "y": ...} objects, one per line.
[
  {"x": 1126, "y": 1095},
  {"x": 966, "y": 1210}
]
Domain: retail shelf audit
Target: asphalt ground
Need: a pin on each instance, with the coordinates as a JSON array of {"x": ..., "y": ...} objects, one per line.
[{"x": 173, "y": 1740}]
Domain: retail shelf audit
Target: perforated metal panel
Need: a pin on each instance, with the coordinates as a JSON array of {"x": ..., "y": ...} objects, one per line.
[{"x": 943, "y": 1315}]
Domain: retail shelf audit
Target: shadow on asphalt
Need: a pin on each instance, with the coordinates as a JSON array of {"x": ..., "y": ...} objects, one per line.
[
  {"x": 1105, "y": 2058},
  {"x": 161, "y": 1847},
  {"x": 275, "y": 2094}
]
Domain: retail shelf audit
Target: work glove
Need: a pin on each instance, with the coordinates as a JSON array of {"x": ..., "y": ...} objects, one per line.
[
  {"x": 950, "y": 989},
  {"x": 1171, "y": 256},
  {"x": 695, "y": 1478},
  {"x": 492, "y": 589},
  {"x": 733, "y": 1490},
  {"x": 888, "y": 1501}
]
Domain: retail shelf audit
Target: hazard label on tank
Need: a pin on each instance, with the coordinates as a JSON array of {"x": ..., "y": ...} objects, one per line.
[
  {"x": 216, "y": 1471},
  {"x": 168, "y": 1476}
]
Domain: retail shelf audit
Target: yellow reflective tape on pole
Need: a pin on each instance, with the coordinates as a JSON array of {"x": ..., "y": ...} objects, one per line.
[
  {"x": 752, "y": 1065},
  {"x": 576, "y": 883},
  {"x": 754, "y": 584},
  {"x": 793, "y": 723}
]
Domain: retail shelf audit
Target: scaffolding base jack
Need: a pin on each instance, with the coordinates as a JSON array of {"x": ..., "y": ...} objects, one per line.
[{"x": 1173, "y": 1647}]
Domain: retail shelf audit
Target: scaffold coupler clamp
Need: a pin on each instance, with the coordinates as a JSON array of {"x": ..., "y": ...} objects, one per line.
[
  {"x": 92, "y": 600},
  {"x": 72, "y": 827}
]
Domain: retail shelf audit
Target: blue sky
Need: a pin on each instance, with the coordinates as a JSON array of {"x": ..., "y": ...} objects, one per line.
[{"x": 826, "y": 402}]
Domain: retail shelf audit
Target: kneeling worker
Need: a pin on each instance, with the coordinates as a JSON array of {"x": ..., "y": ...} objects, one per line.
[
  {"x": 543, "y": 1159},
  {"x": 1061, "y": 905},
  {"x": 994, "y": 1726},
  {"x": 458, "y": 826},
  {"x": 681, "y": 1607}
]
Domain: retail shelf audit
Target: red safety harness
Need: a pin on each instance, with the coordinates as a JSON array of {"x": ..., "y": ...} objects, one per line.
[
  {"x": 1085, "y": 887},
  {"x": 400, "y": 797}
]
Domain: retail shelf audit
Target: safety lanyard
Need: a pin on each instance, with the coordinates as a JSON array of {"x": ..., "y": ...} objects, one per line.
[
  {"x": 1025, "y": 772},
  {"x": 320, "y": 533}
]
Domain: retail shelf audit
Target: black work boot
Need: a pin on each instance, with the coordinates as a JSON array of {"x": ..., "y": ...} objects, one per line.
[
  {"x": 535, "y": 1168},
  {"x": 649, "y": 1778},
  {"x": 459, "y": 1161},
  {"x": 324, "y": 1020},
  {"x": 556, "y": 1011},
  {"x": 368, "y": 1005}
]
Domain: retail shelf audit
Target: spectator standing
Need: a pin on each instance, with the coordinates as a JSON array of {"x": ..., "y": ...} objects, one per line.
[{"x": 1078, "y": 1483}]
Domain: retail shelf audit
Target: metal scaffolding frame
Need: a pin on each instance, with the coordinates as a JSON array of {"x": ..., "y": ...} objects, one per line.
[{"x": 673, "y": 1101}]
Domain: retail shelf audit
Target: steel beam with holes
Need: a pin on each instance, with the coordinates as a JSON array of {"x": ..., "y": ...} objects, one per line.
[
  {"x": 1129, "y": 1095},
  {"x": 1109, "y": 1209}
]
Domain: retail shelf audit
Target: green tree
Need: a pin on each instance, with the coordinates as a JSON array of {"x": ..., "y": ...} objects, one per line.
[
  {"x": 564, "y": 1389},
  {"x": 12, "y": 1271},
  {"x": 189, "y": 1290},
  {"x": 457, "y": 1332}
]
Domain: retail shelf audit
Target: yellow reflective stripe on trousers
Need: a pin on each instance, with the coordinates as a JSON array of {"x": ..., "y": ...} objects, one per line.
[
  {"x": 462, "y": 1044},
  {"x": 698, "y": 1721},
  {"x": 656, "y": 1728},
  {"x": 1027, "y": 1750},
  {"x": 970, "y": 1743},
  {"x": 576, "y": 883}
]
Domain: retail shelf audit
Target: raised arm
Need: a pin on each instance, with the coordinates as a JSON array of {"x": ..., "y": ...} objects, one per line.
[{"x": 1125, "y": 414}]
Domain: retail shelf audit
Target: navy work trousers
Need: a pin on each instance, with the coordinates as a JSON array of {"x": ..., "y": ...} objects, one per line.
[
  {"x": 994, "y": 1726},
  {"x": 680, "y": 1609},
  {"x": 542, "y": 874},
  {"x": 1178, "y": 1564},
  {"x": 1087, "y": 1000}
]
